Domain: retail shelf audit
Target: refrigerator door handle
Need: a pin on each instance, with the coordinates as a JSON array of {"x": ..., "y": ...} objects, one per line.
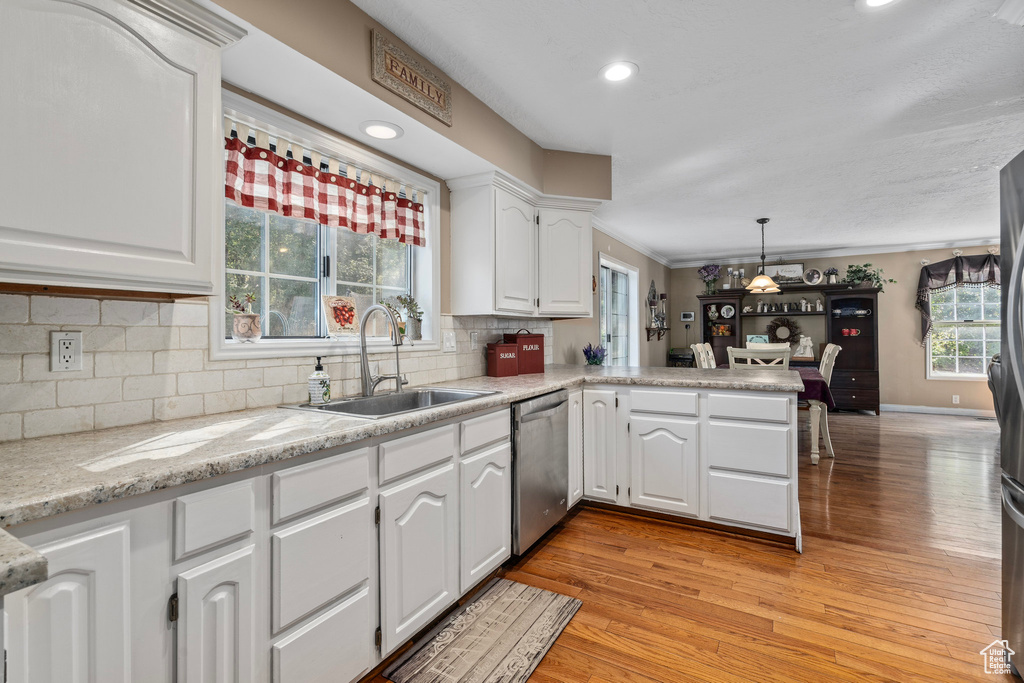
[
  {"x": 1011, "y": 509},
  {"x": 1013, "y": 326}
]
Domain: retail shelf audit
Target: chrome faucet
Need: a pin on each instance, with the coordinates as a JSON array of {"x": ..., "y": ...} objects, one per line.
[{"x": 371, "y": 381}]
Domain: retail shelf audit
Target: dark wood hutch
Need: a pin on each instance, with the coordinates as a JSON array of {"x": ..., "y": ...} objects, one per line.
[{"x": 855, "y": 377}]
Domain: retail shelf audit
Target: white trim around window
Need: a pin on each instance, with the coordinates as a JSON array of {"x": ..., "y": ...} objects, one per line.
[
  {"x": 634, "y": 302},
  {"x": 426, "y": 267}
]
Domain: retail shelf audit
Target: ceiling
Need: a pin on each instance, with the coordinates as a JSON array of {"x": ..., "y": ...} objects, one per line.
[{"x": 851, "y": 128}]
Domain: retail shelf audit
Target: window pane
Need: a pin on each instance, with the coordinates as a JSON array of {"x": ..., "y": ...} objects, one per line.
[
  {"x": 992, "y": 311},
  {"x": 354, "y": 257},
  {"x": 943, "y": 364},
  {"x": 968, "y": 311},
  {"x": 975, "y": 366},
  {"x": 239, "y": 286},
  {"x": 943, "y": 312},
  {"x": 991, "y": 348},
  {"x": 945, "y": 296},
  {"x": 993, "y": 295},
  {"x": 292, "y": 246},
  {"x": 292, "y": 309},
  {"x": 392, "y": 263},
  {"x": 992, "y": 332},
  {"x": 968, "y": 295},
  {"x": 943, "y": 341},
  {"x": 970, "y": 348},
  {"x": 243, "y": 234},
  {"x": 971, "y": 331}
]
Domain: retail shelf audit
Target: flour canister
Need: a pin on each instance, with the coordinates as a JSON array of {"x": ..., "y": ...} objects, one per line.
[
  {"x": 502, "y": 360},
  {"x": 531, "y": 351}
]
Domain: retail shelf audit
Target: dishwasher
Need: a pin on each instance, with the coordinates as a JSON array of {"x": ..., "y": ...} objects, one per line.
[{"x": 540, "y": 467}]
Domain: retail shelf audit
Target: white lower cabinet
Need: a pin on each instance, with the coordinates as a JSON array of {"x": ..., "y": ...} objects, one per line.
[
  {"x": 75, "y": 626},
  {"x": 575, "y": 447},
  {"x": 419, "y": 537},
  {"x": 332, "y": 648},
  {"x": 664, "y": 469},
  {"x": 217, "y": 620},
  {"x": 599, "y": 444},
  {"x": 485, "y": 502}
]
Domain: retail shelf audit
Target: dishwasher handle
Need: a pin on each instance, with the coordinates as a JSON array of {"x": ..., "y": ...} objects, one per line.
[{"x": 544, "y": 413}]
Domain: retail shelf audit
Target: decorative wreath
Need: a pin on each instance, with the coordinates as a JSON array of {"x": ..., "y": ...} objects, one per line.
[{"x": 782, "y": 330}]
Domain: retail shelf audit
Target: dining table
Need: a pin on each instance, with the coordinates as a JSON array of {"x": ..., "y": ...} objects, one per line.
[{"x": 818, "y": 396}]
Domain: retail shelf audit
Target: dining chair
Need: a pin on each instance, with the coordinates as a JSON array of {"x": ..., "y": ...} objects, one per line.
[
  {"x": 776, "y": 359},
  {"x": 703, "y": 355},
  {"x": 819, "y": 411}
]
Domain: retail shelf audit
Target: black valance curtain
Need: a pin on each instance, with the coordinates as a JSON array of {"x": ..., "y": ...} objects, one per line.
[{"x": 976, "y": 271}]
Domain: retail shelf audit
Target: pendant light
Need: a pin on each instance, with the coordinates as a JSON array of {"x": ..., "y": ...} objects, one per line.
[{"x": 762, "y": 284}]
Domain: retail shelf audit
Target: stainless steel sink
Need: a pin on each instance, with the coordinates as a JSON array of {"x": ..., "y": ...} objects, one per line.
[{"x": 386, "y": 405}]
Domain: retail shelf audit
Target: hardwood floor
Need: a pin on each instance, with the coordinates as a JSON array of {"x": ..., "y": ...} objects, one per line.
[{"x": 899, "y": 579}]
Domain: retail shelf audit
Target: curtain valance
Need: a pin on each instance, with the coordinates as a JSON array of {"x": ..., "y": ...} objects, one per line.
[
  {"x": 975, "y": 271},
  {"x": 316, "y": 188}
]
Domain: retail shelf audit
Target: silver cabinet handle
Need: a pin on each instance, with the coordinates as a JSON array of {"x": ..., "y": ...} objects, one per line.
[
  {"x": 544, "y": 413},
  {"x": 1016, "y": 515}
]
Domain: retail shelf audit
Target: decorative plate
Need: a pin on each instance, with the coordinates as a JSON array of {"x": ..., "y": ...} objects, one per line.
[
  {"x": 813, "y": 276},
  {"x": 728, "y": 311},
  {"x": 782, "y": 330}
]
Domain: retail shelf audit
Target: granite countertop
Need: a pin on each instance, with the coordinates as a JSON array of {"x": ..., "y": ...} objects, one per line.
[{"x": 55, "y": 474}]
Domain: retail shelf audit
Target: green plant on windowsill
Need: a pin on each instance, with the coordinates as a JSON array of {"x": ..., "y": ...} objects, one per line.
[
  {"x": 856, "y": 275},
  {"x": 412, "y": 309}
]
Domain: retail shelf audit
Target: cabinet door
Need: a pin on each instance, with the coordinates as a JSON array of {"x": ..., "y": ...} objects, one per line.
[
  {"x": 575, "y": 447},
  {"x": 419, "y": 553},
  {"x": 216, "y": 622},
  {"x": 333, "y": 648},
  {"x": 515, "y": 254},
  {"x": 599, "y": 449},
  {"x": 126, "y": 87},
  {"x": 485, "y": 501},
  {"x": 74, "y": 626},
  {"x": 565, "y": 262},
  {"x": 663, "y": 463}
]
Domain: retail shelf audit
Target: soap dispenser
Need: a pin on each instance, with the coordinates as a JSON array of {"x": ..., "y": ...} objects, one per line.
[{"x": 319, "y": 385}]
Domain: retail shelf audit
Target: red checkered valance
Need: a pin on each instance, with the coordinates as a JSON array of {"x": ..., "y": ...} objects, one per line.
[{"x": 262, "y": 179}]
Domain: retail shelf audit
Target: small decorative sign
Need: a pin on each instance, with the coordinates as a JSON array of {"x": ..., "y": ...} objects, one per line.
[
  {"x": 404, "y": 75},
  {"x": 340, "y": 312}
]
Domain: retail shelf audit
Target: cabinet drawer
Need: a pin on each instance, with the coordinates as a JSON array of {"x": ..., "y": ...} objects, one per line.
[
  {"x": 300, "y": 489},
  {"x": 314, "y": 562},
  {"x": 853, "y": 380},
  {"x": 856, "y": 399},
  {"x": 663, "y": 401},
  {"x": 487, "y": 429},
  {"x": 747, "y": 407},
  {"x": 333, "y": 648},
  {"x": 749, "y": 500},
  {"x": 210, "y": 518},
  {"x": 763, "y": 449},
  {"x": 410, "y": 453}
]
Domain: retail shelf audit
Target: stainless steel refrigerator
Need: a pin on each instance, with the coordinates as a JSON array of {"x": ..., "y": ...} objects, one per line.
[{"x": 1006, "y": 378}]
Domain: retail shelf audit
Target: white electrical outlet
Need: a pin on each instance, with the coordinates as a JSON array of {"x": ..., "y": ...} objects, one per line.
[
  {"x": 956, "y": 399},
  {"x": 448, "y": 342},
  {"x": 474, "y": 341},
  {"x": 65, "y": 351}
]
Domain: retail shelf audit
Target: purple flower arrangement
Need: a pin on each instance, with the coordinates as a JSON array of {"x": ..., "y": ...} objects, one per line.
[
  {"x": 594, "y": 354},
  {"x": 710, "y": 274}
]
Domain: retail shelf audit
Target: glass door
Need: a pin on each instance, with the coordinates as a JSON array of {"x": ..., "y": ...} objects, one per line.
[{"x": 615, "y": 322}]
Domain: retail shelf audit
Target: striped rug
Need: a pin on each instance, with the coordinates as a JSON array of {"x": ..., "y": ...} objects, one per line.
[{"x": 500, "y": 637}]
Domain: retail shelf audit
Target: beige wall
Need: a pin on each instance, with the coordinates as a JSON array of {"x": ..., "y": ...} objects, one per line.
[
  {"x": 901, "y": 358},
  {"x": 570, "y": 336},
  {"x": 577, "y": 175},
  {"x": 336, "y": 34}
]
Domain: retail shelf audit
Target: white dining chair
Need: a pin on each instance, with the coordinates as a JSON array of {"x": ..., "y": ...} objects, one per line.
[
  {"x": 703, "y": 355},
  {"x": 775, "y": 359},
  {"x": 818, "y": 410}
]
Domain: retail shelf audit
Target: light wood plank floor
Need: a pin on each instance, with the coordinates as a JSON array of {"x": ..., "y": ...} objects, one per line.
[{"x": 899, "y": 579}]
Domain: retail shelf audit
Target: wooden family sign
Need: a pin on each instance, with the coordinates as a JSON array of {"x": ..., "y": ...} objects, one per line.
[{"x": 404, "y": 75}]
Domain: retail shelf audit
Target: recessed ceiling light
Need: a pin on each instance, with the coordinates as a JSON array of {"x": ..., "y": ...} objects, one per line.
[
  {"x": 876, "y": 3},
  {"x": 382, "y": 130},
  {"x": 619, "y": 71}
]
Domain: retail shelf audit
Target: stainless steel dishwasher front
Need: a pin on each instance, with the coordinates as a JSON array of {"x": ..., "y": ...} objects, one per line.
[{"x": 540, "y": 465}]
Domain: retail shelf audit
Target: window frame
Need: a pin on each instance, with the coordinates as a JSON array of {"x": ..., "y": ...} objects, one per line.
[
  {"x": 633, "y": 273},
  {"x": 956, "y": 377},
  {"x": 425, "y": 264}
]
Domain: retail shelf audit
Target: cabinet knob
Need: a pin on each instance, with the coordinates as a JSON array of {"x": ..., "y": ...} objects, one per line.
[
  {"x": 853, "y": 379},
  {"x": 853, "y": 397}
]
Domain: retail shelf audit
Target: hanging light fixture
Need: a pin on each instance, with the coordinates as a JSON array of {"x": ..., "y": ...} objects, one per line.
[{"x": 762, "y": 284}]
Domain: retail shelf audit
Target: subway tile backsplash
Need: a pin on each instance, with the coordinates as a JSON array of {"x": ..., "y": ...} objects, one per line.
[{"x": 147, "y": 361}]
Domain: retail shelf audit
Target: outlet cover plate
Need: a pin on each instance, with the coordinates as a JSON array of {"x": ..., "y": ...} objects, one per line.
[
  {"x": 65, "y": 351},
  {"x": 448, "y": 343}
]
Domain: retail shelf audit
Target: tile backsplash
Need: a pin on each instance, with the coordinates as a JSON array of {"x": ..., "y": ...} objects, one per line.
[{"x": 146, "y": 361}]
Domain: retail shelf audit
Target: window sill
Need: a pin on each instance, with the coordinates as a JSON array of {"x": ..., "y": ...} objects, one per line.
[
  {"x": 228, "y": 349},
  {"x": 956, "y": 378}
]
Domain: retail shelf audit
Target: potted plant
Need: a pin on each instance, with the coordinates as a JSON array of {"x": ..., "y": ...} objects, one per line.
[
  {"x": 245, "y": 325},
  {"x": 710, "y": 274},
  {"x": 594, "y": 354},
  {"x": 832, "y": 275},
  {"x": 413, "y": 315},
  {"x": 866, "y": 276}
]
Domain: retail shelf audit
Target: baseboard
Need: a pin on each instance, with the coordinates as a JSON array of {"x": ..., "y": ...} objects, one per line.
[{"x": 935, "y": 410}]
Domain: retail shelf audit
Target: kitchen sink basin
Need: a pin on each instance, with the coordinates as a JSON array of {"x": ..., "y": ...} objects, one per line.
[{"x": 386, "y": 405}]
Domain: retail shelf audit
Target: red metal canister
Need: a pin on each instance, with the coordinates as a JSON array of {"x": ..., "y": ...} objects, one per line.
[
  {"x": 502, "y": 360},
  {"x": 531, "y": 351}
]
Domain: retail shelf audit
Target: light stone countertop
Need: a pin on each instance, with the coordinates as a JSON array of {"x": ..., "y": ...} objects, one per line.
[{"x": 50, "y": 475}]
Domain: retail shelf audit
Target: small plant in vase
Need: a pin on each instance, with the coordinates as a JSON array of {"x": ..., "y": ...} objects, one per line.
[
  {"x": 710, "y": 274},
  {"x": 857, "y": 275},
  {"x": 594, "y": 354},
  {"x": 245, "y": 325},
  {"x": 832, "y": 275},
  {"x": 414, "y": 315}
]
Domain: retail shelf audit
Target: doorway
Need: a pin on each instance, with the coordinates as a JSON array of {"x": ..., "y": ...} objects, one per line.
[{"x": 619, "y": 310}]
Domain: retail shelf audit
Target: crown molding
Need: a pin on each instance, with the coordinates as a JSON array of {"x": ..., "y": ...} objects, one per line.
[
  {"x": 843, "y": 251},
  {"x": 197, "y": 20},
  {"x": 601, "y": 226},
  {"x": 520, "y": 189}
]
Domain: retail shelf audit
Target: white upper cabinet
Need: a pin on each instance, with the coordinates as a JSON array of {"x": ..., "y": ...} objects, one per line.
[
  {"x": 113, "y": 129},
  {"x": 565, "y": 262},
  {"x": 519, "y": 253}
]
